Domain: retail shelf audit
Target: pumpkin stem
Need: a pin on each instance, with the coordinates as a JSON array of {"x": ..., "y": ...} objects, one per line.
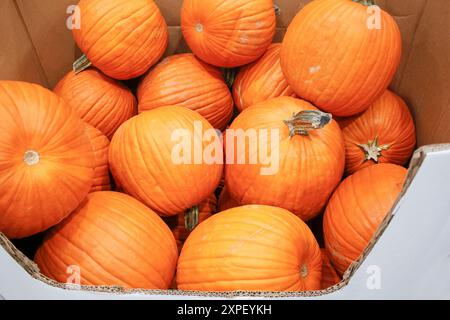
[
  {"x": 304, "y": 271},
  {"x": 191, "y": 218},
  {"x": 81, "y": 64},
  {"x": 31, "y": 158},
  {"x": 366, "y": 2},
  {"x": 277, "y": 10},
  {"x": 229, "y": 75},
  {"x": 305, "y": 121},
  {"x": 372, "y": 150}
]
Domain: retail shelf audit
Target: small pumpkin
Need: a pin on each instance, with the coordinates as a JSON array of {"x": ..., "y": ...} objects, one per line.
[
  {"x": 356, "y": 210},
  {"x": 100, "y": 145},
  {"x": 336, "y": 56},
  {"x": 46, "y": 159},
  {"x": 255, "y": 248},
  {"x": 384, "y": 133},
  {"x": 183, "y": 80},
  {"x": 295, "y": 162},
  {"x": 183, "y": 224},
  {"x": 122, "y": 38},
  {"x": 168, "y": 175},
  {"x": 112, "y": 239},
  {"x": 228, "y": 33},
  {"x": 99, "y": 100},
  {"x": 329, "y": 275},
  {"x": 261, "y": 80},
  {"x": 226, "y": 201}
]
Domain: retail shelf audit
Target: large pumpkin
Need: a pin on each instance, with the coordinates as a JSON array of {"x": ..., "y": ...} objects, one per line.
[
  {"x": 329, "y": 275},
  {"x": 357, "y": 209},
  {"x": 256, "y": 248},
  {"x": 157, "y": 157},
  {"x": 228, "y": 33},
  {"x": 183, "y": 224},
  {"x": 122, "y": 38},
  {"x": 336, "y": 56},
  {"x": 99, "y": 100},
  {"x": 183, "y": 80},
  {"x": 46, "y": 160},
  {"x": 100, "y": 145},
  {"x": 384, "y": 133},
  {"x": 296, "y": 159},
  {"x": 112, "y": 239},
  {"x": 261, "y": 80}
]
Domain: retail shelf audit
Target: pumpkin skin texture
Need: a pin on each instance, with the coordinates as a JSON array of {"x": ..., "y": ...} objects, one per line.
[
  {"x": 46, "y": 160},
  {"x": 254, "y": 248},
  {"x": 331, "y": 57},
  {"x": 100, "y": 101},
  {"x": 228, "y": 33},
  {"x": 178, "y": 224},
  {"x": 329, "y": 274},
  {"x": 100, "y": 146},
  {"x": 122, "y": 38},
  {"x": 310, "y": 167},
  {"x": 141, "y": 161},
  {"x": 114, "y": 240},
  {"x": 261, "y": 80},
  {"x": 384, "y": 133},
  {"x": 183, "y": 80},
  {"x": 356, "y": 210}
]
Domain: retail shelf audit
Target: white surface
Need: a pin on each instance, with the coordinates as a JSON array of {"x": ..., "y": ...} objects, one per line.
[{"x": 412, "y": 256}]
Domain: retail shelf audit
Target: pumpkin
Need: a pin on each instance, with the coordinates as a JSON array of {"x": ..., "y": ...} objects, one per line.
[
  {"x": 384, "y": 133},
  {"x": 228, "y": 33},
  {"x": 183, "y": 80},
  {"x": 336, "y": 56},
  {"x": 183, "y": 224},
  {"x": 112, "y": 239},
  {"x": 254, "y": 248},
  {"x": 226, "y": 201},
  {"x": 261, "y": 80},
  {"x": 295, "y": 161},
  {"x": 168, "y": 175},
  {"x": 356, "y": 210},
  {"x": 100, "y": 145},
  {"x": 46, "y": 160},
  {"x": 329, "y": 275},
  {"x": 100, "y": 101},
  {"x": 122, "y": 38}
]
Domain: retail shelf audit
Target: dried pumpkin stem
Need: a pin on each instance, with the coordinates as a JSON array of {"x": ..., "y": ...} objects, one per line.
[
  {"x": 191, "y": 218},
  {"x": 305, "y": 121},
  {"x": 277, "y": 10},
  {"x": 31, "y": 157},
  {"x": 366, "y": 2},
  {"x": 81, "y": 64},
  {"x": 372, "y": 150}
]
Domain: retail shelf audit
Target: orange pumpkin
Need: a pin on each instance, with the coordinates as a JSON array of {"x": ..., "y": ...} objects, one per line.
[
  {"x": 356, "y": 210},
  {"x": 100, "y": 101},
  {"x": 183, "y": 80},
  {"x": 261, "y": 80},
  {"x": 228, "y": 33},
  {"x": 255, "y": 248},
  {"x": 384, "y": 133},
  {"x": 289, "y": 164},
  {"x": 182, "y": 224},
  {"x": 112, "y": 239},
  {"x": 329, "y": 274},
  {"x": 168, "y": 175},
  {"x": 100, "y": 145},
  {"x": 122, "y": 38},
  {"x": 46, "y": 160},
  {"x": 226, "y": 201},
  {"x": 336, "y": 56}
]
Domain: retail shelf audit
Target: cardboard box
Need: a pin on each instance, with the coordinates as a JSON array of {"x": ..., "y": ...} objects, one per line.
[{"x": 410, "y": 255}]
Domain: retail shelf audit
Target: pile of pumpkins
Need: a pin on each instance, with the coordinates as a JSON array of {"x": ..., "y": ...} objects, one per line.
[{"x": 344, "y": 140}]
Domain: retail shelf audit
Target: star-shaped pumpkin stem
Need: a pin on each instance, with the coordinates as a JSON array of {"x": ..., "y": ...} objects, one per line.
[{"x": 372, "y": 150}]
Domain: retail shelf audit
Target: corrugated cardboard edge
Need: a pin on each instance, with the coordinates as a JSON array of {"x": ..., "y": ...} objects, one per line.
[{"x": 416, "y": 162}]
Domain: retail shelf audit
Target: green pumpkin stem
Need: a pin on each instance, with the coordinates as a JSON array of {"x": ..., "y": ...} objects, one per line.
[
  {"x": 230, "y": 75},
  {"x": 191, "y": 218},
  {"x": 81, "y": 64},
  {"x": 305, "y": 121},
  {"x": 366, "y": 2}
]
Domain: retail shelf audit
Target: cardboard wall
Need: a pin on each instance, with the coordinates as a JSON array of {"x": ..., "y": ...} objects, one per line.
[{"x": 36, "y": 46}]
